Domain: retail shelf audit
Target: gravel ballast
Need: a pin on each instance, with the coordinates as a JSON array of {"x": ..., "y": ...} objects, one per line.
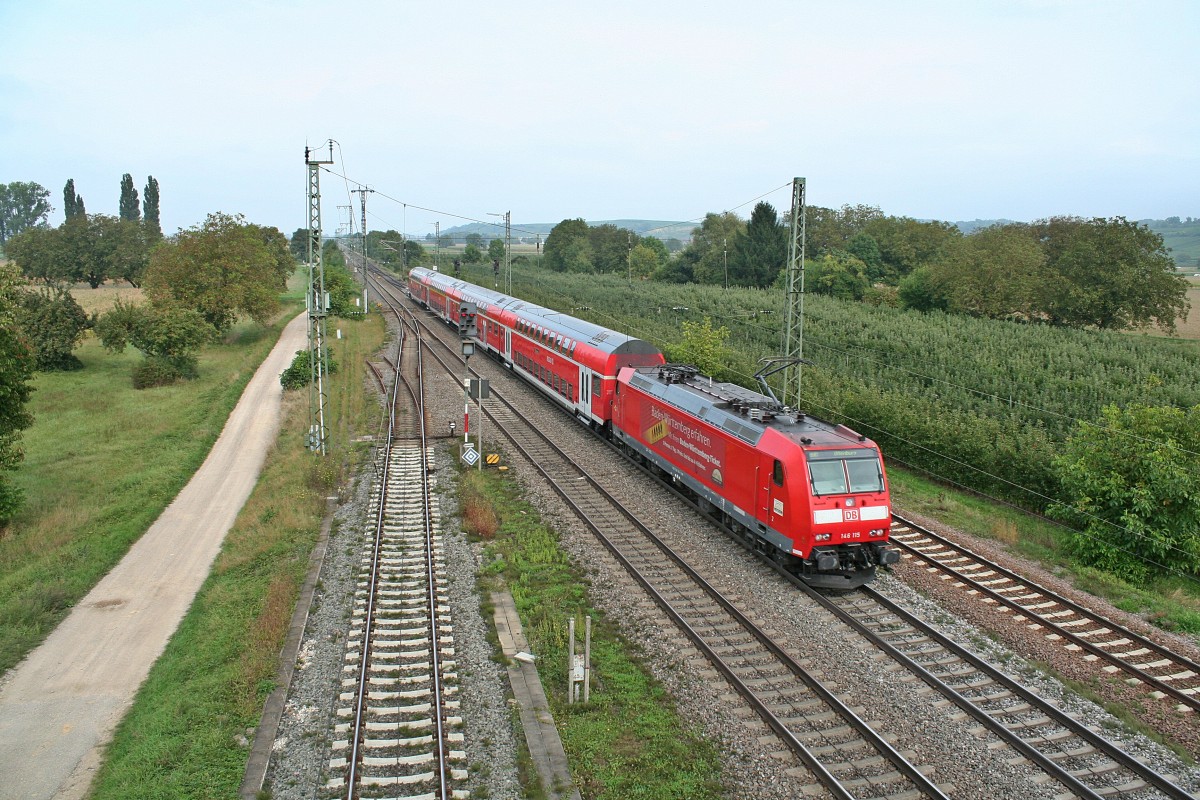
[{"x": 919, "y": 724}]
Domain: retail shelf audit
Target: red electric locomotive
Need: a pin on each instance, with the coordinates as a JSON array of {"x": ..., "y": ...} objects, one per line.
[{"x": 811, "y": 494}]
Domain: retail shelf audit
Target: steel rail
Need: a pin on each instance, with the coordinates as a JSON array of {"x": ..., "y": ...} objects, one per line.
[
  {"x": 1158, "y": 685},
  {"x": 356, "y": 732},
  {"x": 1045, "y": 762}
]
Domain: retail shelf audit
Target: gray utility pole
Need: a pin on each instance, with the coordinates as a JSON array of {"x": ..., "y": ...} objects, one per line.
[
  {"x": 793, "y": 331},
  {"x": 362, "y": 199},
  {"x": 318, "y": 306},
  {"x": 507, "y": 250}
]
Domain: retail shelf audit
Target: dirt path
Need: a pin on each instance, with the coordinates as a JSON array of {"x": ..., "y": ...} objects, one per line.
[{"x": 59, "y": 707}]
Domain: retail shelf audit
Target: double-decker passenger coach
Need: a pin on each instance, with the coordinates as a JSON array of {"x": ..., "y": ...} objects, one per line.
[{"x": 573, "y": 361}]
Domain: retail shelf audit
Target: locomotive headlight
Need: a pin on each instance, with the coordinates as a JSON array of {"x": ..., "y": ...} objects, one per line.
[{"x": 822, "y": 537}]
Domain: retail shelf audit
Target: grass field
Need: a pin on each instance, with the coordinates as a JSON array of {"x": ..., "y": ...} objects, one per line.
[
  {"x": 101, "y": 462},
  {"x": 99, "y": 300},
  {"x": 1190, "y": 328}
]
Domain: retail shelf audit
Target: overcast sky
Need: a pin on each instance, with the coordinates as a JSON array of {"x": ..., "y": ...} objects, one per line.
[{"x": 605, "y": 110}]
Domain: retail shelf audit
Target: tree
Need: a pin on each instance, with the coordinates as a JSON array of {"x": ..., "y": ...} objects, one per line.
[
  {"x": 579, "y": 257},
  {"x": 864, "y": 247},
  {"x": 829, "y": 229},
  {"x": 129, "y": 209},
  {"x": 72, "y": 203},
  {"x": 838, "y": 274},
  {"x": 610, "y": 247},
  {"x": 126, "y": 248},
  {"x": 1109, "y": 273},
  {"x": 475, "y": 239},
  {"x": 472, "y": 254},
  {"x": 707, "y": 254},
  {"x": 85, "y": 257},
  {"x": 298, "y": 244},
  {"x": 496, "y": 249},
  {"x": 221, "y": 268},
  {"x": 996, "y": 272},
  {"x": 22, "y": 205},
  {"x": 644, "y": 261},
  {"x": 83, "y": 250},
  {"x": 39, "y": 253},
  {"x": 675, "y": 270},
  {"x": 906, "y": 244},
  {"x": 16, "y": 370},
  {"x": 759, "y": 252},
  {"x": 150, "y": 209},
  {"x": 703, "y": 346},
  {"x": 1135, "y": 482},
  {"x": 53, "y": 324},
  {"x": 562, "y": 237},
  {"x": 922, "y": 290},
  {"x": 167, "y": 334}
]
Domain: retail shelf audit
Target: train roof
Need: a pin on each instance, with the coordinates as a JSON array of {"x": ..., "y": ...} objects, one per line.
[
  {"x": 741, "y": 412},
  {"x": 597, "y": 336}
]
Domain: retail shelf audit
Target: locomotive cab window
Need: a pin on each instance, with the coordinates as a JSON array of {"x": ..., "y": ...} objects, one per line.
[
  {"x": 844, "y": 471},
  {"x": 777, "y": 473}
]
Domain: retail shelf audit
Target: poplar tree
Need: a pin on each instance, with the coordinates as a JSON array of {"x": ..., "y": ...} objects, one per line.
[
  {"x": 72, "y": 204},
  {"x": 129, "y": 209},
  {"x": 150, "y": 207}
]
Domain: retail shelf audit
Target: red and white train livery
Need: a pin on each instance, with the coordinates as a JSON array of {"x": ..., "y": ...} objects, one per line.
[
  {"x": 811, "y": 494},
  {"x": 574, "y": 361}
]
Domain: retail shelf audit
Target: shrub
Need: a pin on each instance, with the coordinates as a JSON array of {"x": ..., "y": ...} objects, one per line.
[
  {"x": 299, "y": 374},
  {"x": 162, "y": 371}
]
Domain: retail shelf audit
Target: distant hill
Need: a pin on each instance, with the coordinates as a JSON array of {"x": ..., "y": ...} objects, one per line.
[
  {"x": 1181, "y": 236},
  {"x": 976, "y": 224},
  {"x": 529, "y": 230}
]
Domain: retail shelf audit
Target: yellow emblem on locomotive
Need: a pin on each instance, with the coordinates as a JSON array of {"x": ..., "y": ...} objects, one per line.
[{"x": 657, "y": 432}]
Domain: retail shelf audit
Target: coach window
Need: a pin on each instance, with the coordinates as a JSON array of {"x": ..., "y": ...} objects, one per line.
[
  {"x": 777, "y": 473},
  {"x": 595, "y": 386}
]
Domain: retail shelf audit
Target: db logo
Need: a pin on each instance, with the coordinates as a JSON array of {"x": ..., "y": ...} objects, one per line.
[{"x": 851, "y": 514}]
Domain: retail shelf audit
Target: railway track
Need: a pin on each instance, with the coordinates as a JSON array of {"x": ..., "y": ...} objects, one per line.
[
  {"x": 1084, "y": 762},
  {"x": 396, "y": 736},
  {"x": 1091, "y": 636},
  {"x": 1081, "y": 761}
]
